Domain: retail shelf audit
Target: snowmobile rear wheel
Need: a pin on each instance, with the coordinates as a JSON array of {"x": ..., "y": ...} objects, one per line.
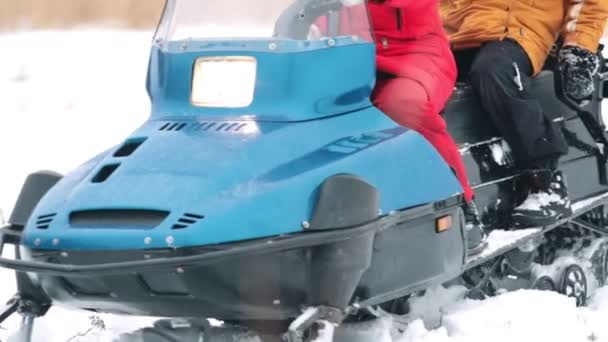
[
  {"x": 599, "y": 264},
  {"x": 574, "y": 284},
  {"x": 544, "y": 283}
]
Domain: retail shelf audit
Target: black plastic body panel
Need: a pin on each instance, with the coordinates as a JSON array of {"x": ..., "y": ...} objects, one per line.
[
  {"x": 369, "y": 268},
  {"x": 490, "y": 165},
  {"x": 344, "y": 201},
  {"x": 35, "y": 187}
]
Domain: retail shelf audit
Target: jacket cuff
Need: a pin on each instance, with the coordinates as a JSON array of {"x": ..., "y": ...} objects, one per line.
[{"x": 584, "y": 40}]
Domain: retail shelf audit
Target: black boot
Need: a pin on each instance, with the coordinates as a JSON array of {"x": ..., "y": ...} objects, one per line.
[
  {"x": 547, "y": 200},
  {"x": 476, "y": 236}
]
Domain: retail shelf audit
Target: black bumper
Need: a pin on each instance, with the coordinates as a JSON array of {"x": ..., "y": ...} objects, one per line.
[{"x": 269, "y": 279}]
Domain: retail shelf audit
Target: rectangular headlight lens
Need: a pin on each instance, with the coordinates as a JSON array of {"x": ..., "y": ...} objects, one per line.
[{"x": 224, "y": 81}]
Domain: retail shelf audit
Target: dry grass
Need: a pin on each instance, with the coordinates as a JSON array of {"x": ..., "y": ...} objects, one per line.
[{"x": 36, "y": 14}]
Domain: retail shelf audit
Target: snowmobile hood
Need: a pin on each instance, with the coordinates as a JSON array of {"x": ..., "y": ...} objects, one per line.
[
  {"x": 294, "y": 80},
  {"x": 195, "y": 182}
]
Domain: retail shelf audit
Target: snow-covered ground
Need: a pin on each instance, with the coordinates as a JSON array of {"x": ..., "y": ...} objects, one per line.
[{"x": 67, "y": 95}]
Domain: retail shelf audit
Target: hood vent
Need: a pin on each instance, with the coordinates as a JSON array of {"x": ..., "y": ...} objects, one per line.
[
  {"x": 117, "y": 219},
  {"x": 129, "y": 147},
  {"x": 187, "y": 220},
  {"x": 43, "y": 221},
  {"x": 105, "y": 173},
  {"x": 173, "y": 126},
  {"x": 205, "y": 126}
]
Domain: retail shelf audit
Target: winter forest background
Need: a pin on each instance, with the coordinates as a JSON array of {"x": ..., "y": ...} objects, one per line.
[{"x": 54, "y": 14}]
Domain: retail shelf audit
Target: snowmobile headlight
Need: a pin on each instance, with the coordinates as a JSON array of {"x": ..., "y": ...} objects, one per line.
[{"x": 224, "y": 81}]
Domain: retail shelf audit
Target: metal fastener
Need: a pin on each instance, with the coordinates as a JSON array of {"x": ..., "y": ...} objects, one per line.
[
  {"x": 272, "y": 46},
  {"x": 170, "y": 240},
  {"x": 148, "y": 240},
  {"x": 305, "y": 225}
]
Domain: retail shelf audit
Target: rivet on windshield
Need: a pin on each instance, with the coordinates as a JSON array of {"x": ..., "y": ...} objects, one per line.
[
  {"x": 331, "y": 42},
  {"x": 272, "y": 46}
]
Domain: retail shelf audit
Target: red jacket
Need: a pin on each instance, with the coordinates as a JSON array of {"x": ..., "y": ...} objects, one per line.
[{"x": 411, "y": 30}]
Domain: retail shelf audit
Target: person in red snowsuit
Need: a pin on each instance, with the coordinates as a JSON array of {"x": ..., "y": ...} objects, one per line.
[
  {"x": 416, "y": 77},
  {"x": 417, "y": 73}
]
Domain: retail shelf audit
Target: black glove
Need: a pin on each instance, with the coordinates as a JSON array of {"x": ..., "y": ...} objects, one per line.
[{"x": 578, "y": 67}]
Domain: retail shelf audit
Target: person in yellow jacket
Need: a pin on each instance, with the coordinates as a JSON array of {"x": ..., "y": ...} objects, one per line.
[{"x": 500, "y": 45}]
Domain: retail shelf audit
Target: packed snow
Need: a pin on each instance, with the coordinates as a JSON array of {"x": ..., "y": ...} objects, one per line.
[{"x": 69, "y": 95}]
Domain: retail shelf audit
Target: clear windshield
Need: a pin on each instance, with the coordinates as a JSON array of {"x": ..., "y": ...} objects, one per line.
[{"x": 281, "y": 19}]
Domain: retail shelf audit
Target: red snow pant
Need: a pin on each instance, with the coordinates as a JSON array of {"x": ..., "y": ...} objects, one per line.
[{"x": 415, "y": 101}]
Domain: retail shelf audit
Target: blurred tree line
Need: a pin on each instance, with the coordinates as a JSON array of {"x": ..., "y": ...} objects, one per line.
[{"x": 42, "y": 14}]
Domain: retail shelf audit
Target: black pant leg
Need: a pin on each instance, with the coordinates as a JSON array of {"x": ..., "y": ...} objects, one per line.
[{"x": 501, "y": 77}]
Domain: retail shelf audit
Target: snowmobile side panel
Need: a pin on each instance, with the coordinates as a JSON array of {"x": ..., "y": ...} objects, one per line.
[
  {"x": 467, "y": 122},
  {"x": 412, "y": 254}
]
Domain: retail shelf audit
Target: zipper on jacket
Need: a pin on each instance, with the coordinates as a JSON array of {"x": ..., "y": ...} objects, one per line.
[{"x": 399, "y": 19}]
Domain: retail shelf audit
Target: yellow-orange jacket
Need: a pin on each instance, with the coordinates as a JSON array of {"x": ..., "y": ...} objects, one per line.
[{"x": 534, "y": 24}]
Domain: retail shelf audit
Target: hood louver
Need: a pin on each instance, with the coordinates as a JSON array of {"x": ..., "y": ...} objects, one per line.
[
  {"x": 204, "y": 126},
  {"x": 44, "y": 221},
  {"x": 187, "y": 220}
]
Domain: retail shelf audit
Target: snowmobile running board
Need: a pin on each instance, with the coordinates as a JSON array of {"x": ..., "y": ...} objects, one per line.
[{"x": 499, "y": 242}]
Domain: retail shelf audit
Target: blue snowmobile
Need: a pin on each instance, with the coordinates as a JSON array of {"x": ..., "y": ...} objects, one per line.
[{"x": 266, "y": 191}]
